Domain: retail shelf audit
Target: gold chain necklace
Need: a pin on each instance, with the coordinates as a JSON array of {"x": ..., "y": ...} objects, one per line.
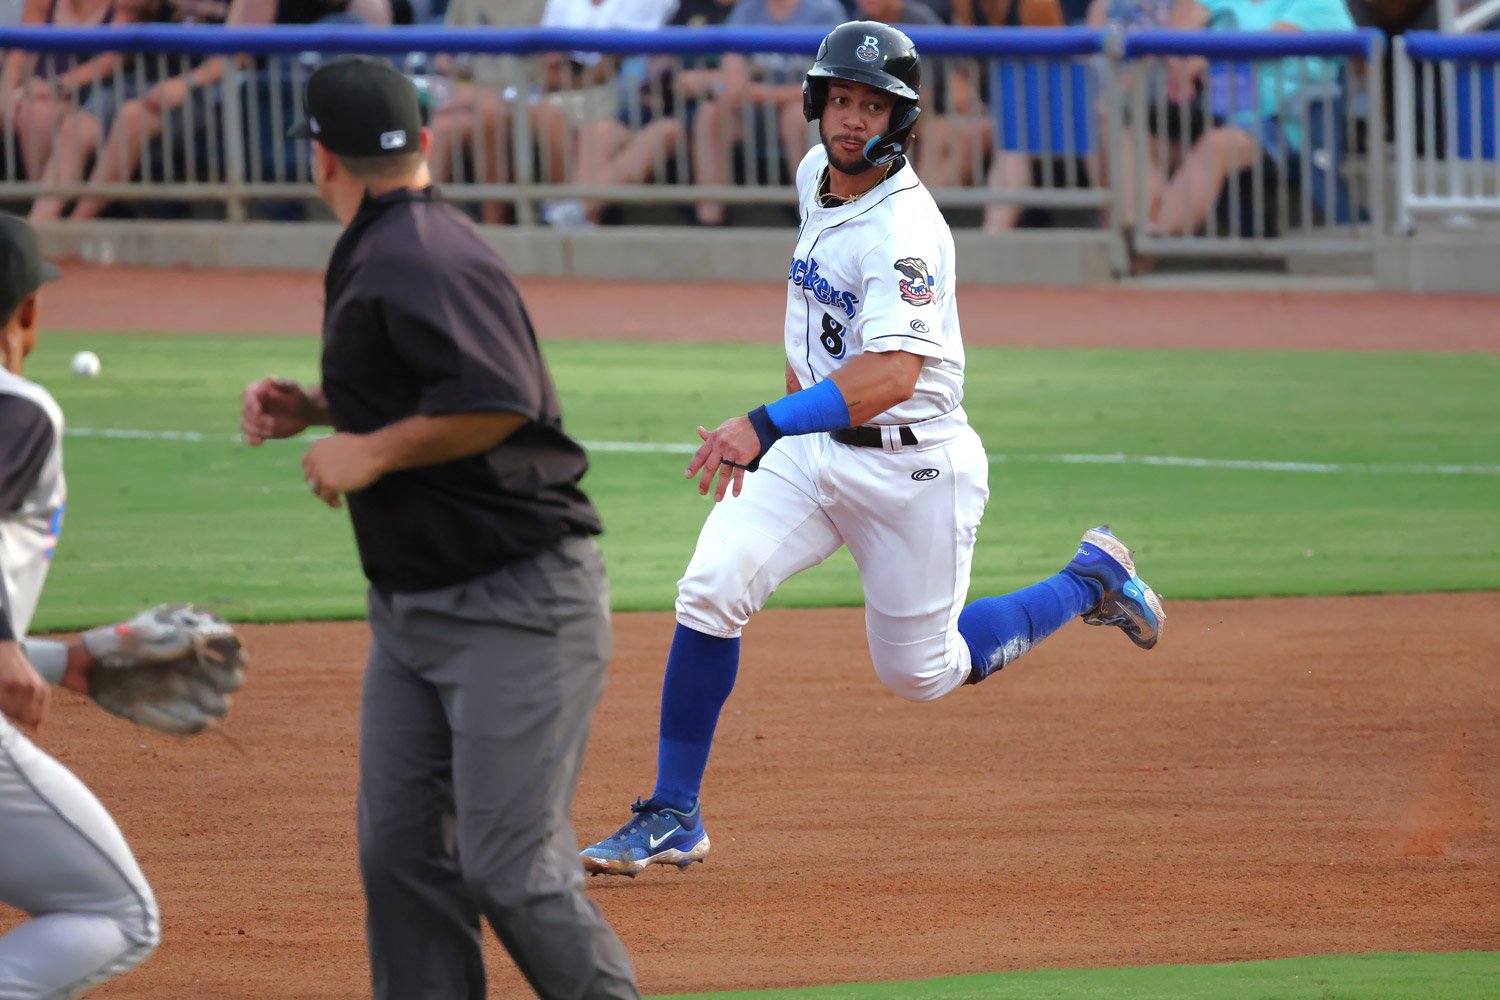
[{"x": 827, "y": 199}]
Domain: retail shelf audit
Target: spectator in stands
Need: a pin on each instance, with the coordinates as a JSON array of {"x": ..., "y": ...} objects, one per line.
[
  {"x": 953, "y": 133},
  {"x": 477, "y": 102},
  {"x": 1023, "y": 92},
  {"x": 1234, "y": 142},
  {"x": 573, "y": 89},
  {"x": 770, "y": 85},
  {"x": 48, "y": 97},
  {"x": 660, "y": 97},
  {"x": 1130, "y": 15},
  {"x": 142, "y": 118},
  {"x": 1392, "y": 18}
]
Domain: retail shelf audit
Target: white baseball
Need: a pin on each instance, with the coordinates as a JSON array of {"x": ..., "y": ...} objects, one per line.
[{"x": 85, "y": 364}]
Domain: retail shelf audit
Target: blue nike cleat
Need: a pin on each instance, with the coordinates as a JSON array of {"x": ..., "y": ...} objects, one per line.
[
  {"x": 655, "y": 835},
  {"x": 1128, "y": 604}
]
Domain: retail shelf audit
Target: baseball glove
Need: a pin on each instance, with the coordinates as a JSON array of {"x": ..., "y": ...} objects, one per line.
[{"x": 171, "y": 668}]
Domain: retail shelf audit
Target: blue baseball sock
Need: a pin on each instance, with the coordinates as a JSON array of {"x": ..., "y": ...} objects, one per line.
[
  {"x": 999, "y": 629},
  {"x": 700, "y": 674}
]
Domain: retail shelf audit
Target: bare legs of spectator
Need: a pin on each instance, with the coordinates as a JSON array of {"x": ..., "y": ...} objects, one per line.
[
  {"x": 36, "y": 120},
  {"x": 1009, "y": 172},
  {"x": 1127, "y": 173},
  {"x": 718, "y": 126},
  {"x": 470, "y": 114},
  {"x": 480, "y": 122},
  {"x": 797, "y": 136},
  {"x": 121, "y": 156},
  {"x": 609, "y": 153},
  {"x": 950, "y": 150},
  {"x": 78, "y": 136},
  {"x": 1189, "y": 196}
]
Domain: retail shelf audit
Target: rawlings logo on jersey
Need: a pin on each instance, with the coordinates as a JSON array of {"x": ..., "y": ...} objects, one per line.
[
  {"x": 916, "y": 287},
  {"x": 804, "y": 273}
]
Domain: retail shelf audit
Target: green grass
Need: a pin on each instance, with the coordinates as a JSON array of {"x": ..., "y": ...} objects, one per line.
[
  {"x": 1455, "y": 976},
  {"x": 234, "y": 527}
]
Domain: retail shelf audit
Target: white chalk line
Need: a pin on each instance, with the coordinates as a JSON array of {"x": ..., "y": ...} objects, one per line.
[{"x": 1164, "y": 461}]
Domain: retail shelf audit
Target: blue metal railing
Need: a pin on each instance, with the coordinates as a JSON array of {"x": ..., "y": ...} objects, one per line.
[
  {"x": 931, "y": 41},
  {"x": 1103, "y": 52},
  {"x": 1453, "y": 48}
]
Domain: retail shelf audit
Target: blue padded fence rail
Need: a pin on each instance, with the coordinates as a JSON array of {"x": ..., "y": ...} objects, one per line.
[
  {"x": 1482, "y": 47},
  {"x": 216, "y": 40},
  {"x": 932, "y": 41},
  {"x": 1227, "y": 45}
]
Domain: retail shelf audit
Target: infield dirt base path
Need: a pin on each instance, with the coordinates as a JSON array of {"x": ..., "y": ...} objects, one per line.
[{"x": 1278, "y": 778}]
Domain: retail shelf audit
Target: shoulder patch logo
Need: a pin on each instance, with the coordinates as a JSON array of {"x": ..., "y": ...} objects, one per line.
[
  {"x": 918, "y": 326},
  {"x": 916, "y": 287},
  {"x": 869, "y": 51}
]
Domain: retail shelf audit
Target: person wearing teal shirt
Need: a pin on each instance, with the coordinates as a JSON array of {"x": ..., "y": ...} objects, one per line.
[{"x": 1244, "y": 132}]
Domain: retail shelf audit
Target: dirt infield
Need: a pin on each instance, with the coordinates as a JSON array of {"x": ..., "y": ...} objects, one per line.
[
  {"x": 1278, "y": 778},
  {"x": 118, "y": 298}
]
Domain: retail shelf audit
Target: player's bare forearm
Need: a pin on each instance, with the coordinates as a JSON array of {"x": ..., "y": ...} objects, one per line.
[
  {"x": 419, "y": 441},
  {"x": 316, "y": 411},
  {"x": 792, "y": 385},
  {"x": 23, "y": 692},
  {"x": 873, "y": 383},
  {"x": 344, "y": 463}
]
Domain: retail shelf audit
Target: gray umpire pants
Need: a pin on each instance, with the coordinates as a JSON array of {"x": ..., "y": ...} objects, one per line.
[{"x": 477, "y": 703}]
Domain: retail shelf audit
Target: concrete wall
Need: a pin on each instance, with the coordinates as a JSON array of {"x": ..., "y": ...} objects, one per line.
[
  {"x": 1027, "y": 257},
  {"x": 1466, "y": 260},
  {"x": 1439, "y": 261}
]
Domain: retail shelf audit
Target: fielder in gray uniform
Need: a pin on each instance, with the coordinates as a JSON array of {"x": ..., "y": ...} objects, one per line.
[
  {"x": 63, "y": 861},
  {"x": 488, "y": 605}
]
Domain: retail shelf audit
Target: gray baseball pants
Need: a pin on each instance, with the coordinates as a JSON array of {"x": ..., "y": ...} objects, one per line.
[{"x": 476, "y": 709}]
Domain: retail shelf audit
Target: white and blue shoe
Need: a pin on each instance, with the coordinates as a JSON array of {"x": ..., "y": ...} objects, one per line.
[
  {"x": 1128, "y": 604},
  {"x": 655, "y": 835}
]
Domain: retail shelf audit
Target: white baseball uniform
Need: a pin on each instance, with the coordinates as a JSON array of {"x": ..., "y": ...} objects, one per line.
[
  {"x": 873, "y": 275},
  {"x": 63, "y": 861}
]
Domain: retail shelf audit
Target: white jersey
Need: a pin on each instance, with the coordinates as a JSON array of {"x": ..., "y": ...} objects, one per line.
[
  {"x": 876, "y": 275},
  {"x": 32, "y": 517},
  {"x": 66, "y": 860}
]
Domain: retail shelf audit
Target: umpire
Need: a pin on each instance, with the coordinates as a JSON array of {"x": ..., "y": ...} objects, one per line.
[{"x": 488, "y": 603}]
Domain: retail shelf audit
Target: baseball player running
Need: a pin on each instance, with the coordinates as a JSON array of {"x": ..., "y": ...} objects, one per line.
[{"x": 869, "y": 449}]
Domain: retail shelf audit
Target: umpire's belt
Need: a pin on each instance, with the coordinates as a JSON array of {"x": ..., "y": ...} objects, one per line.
[{"x": 873, "y": 436}]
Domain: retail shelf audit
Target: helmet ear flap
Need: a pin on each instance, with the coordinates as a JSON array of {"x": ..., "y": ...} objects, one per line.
[
  {"x": 814, "y": 97},
  {"x": 884, "y": 148}
]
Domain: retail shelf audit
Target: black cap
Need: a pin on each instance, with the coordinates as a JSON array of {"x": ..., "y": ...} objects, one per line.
[
  {"x": 359, "y": 106},
  {"x": 22, "y": 270}
]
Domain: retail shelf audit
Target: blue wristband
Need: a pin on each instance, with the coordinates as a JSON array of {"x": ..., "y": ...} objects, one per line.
[
  {"x": 768, "y": 433},
  {"x": 819, "y": 408}
]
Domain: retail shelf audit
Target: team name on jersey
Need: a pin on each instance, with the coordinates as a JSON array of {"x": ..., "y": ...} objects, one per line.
[{"x": 804, "y": 273}]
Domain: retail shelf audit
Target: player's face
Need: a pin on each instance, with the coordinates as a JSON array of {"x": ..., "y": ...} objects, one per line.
[{"x": 855, "y": 114}]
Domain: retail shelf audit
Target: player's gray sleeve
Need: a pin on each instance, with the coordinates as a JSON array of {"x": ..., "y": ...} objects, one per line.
[
  {"x": 23, "y": 452},
  {"x": 23, "y": 448},
  {"x": 49, "y": 656}
]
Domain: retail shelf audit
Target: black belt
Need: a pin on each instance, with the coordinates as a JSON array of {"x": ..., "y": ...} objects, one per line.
[{"x": 868, "y": 436}]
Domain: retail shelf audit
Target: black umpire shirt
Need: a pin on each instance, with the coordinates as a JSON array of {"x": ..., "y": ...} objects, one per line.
[{"x": 421, "y": 317}]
